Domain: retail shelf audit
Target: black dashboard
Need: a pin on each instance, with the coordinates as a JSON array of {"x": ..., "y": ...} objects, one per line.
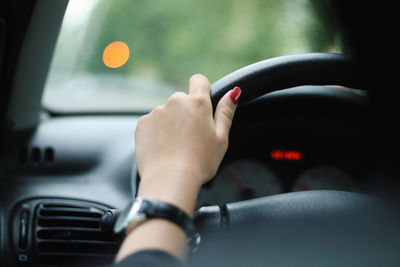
[{"x": 310, "y": 137}]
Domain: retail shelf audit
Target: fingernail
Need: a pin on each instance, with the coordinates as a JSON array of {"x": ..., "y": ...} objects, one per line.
[{"x": 235, "y": 95}]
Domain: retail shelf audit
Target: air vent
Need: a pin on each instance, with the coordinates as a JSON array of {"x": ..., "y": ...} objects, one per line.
[
  {"x": 37, "y": 155},
  {"x": 68, "y": 233}
]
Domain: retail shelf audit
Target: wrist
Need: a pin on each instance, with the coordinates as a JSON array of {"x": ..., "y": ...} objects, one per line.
[{"x": 177, "y": 188}]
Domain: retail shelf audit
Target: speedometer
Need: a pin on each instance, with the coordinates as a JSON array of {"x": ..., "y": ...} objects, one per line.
[
  {"x": 325, "y": 177},
  {"x": 240, "y": 180}
]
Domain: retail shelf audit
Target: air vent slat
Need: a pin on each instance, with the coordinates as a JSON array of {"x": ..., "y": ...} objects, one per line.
[
  {"x": 76, "y": 259},
  {"x": 89, "y": 255},
  {"x": 77, "y": 241},
  {"x": 70, "y": 212},
  {"x": 74, "y": 235},
  {"x": 67, "y": 221},
  {"x": 80, "y": 234},
  {"x": 77, "y": 229},
  {"x": 64, "y": 205},
  {"x": 72, "y": 218},
  {"x": 78, "y": 247}
]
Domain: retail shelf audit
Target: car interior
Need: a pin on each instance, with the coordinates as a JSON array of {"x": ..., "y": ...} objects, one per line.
[{"x": 312, "y": 157}]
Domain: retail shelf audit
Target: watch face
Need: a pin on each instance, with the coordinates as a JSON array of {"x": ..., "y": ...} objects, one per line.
[{"x": 129, "y": 215}]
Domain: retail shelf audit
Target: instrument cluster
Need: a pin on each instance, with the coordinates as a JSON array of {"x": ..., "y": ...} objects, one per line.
[{"x": 249, "y": 178}]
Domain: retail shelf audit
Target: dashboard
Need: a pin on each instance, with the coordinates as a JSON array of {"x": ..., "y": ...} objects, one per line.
[{"x": 305, "y": 138}]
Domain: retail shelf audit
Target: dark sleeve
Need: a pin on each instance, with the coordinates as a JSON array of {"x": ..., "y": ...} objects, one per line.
[{"x": 150, "y": 258}]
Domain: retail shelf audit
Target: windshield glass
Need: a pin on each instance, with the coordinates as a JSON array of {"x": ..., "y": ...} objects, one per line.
[{"x": 131, "y": 55}]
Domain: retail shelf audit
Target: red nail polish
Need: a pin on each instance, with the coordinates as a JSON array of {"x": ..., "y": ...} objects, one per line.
[{"x": 235, "y": 95}]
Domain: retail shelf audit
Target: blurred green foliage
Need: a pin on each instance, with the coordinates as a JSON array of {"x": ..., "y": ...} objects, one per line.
[
  {"x": 169, "y": 41},
  {"x": 172, "y": 39}
]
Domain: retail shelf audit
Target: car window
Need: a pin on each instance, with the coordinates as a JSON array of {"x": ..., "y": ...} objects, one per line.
[{"x": 131, "y": 55}]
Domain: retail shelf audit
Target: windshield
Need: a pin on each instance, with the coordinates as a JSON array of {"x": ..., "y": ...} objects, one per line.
[{"x": 131, "y": 55}]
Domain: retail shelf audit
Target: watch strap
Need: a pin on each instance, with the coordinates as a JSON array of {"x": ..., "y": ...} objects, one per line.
[
  {"x": 141, "y": 209},
  {"x": 158, "y": 209}
]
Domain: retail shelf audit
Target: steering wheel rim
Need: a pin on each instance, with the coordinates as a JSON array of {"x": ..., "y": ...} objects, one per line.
[
  {"x": 289, "y": 71},
  {"x": 345, "y": 208}
]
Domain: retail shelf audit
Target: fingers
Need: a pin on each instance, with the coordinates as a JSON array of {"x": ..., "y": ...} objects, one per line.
[
  {"x": 225, "y": 111},
  {"x": 199, "y": 84}
]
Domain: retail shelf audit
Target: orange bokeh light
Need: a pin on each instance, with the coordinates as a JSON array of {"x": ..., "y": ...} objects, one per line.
[{"x": 116, "y": 54}]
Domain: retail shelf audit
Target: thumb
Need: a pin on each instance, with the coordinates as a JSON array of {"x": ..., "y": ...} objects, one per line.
[{"x": 224, "y": 112}]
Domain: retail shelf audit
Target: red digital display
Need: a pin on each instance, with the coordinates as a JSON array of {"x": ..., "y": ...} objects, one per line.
[{"x": 291, "y": 155}]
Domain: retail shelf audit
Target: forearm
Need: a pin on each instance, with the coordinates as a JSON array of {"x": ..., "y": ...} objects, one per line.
[{"x": 175, "y": 188}]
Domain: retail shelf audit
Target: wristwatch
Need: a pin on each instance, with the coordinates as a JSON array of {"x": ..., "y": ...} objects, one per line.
[{"x": 141, "y": 209}]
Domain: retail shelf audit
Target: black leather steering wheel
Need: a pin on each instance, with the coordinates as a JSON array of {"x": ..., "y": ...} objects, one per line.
[
  {"x": 311, "y": 228},
  {"x": 289, "y": 71}
]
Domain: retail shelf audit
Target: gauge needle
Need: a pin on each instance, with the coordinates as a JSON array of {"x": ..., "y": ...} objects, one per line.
[
  {"x": 304, "y": 187},
  {"x": 234, "y": 180}
]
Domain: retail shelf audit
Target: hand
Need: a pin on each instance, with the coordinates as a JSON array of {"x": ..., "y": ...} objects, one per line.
[
  {"x": 182, "y": 137},
  {"x": 179, "y": 146}
]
